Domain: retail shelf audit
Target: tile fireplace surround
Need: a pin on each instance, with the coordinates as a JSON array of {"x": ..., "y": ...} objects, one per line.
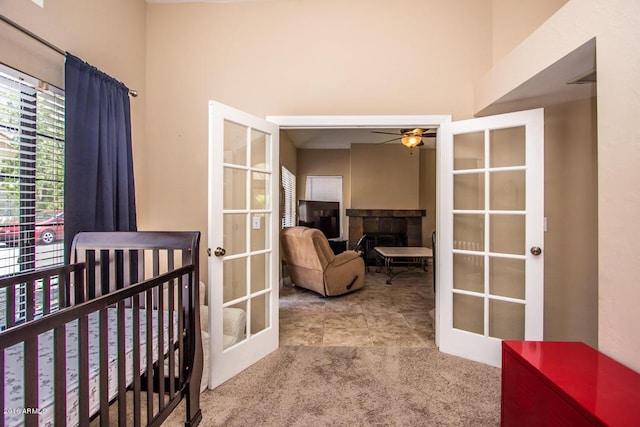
[{"x": 406, "y": 224}]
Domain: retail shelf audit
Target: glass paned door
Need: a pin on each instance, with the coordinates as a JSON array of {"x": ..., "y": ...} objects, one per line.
[
  {"x": 491, "y": 282},
  {"x": 243, "y": 230}
]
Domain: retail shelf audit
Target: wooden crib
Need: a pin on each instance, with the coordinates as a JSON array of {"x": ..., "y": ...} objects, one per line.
[{"x": 112, "y": 338}]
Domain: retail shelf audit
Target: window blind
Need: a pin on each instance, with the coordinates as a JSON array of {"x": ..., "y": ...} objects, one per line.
[
  {"x": 289, "y": 202},
  {"x": 31, "y": 175},
  {"x": 324, "y": 188}
]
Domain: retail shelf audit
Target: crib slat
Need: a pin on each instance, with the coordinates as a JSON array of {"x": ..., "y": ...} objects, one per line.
[
  {"x": 10, "y": 314},
  {"x": 149, "y": 339},
  {"x": 60, "y": 374},
  {"x": 160, "y": 329},
  {"x": 137, "y": 386},
  {"x": 180, "y": 290},
  {"x": 172, "y": 354},
  {"x": 122, "y": 367},
  {"x": 104, "y": 368},
  {"x": 83, "y": 369},
  {"x": 46, "y": 295},
  {"x": 31, "y": 378},
  {"x": 30, "y": 299},
  {"x": 2, "y": 369},
  {"x": 91, "y": 276}
]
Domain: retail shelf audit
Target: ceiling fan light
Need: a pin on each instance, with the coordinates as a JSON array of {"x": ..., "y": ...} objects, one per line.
[{"x": 411, "y": 140}]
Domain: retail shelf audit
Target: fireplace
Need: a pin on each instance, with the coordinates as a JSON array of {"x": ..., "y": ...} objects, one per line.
[{"x": 385, "y": 227}]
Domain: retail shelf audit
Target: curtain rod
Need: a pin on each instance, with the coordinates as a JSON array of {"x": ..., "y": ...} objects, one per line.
[{"x": 53, "y": 47}]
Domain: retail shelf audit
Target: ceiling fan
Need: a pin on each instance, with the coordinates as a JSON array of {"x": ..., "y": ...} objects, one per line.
[{"x": 410, "y": 137}]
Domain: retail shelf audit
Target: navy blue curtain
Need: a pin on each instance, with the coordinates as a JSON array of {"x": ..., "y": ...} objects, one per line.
[{"x": 99, "y": 185}]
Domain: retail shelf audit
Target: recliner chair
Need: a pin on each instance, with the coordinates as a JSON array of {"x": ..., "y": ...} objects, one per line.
[{"x": 313, "y": 265}]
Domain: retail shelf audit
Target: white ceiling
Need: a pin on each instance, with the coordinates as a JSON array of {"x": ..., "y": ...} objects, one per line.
[{"x": 343, "y": 138}]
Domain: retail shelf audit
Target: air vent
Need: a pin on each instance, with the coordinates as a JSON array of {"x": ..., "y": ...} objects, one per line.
[{"x": 589, "y": 77}]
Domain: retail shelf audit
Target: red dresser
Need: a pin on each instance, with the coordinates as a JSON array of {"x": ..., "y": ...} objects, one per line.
[{"x": 566, "y": 384}]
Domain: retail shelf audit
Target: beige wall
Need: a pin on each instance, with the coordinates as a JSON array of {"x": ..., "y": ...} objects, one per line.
[
  {"x": 571, "y": 209},
  {"x": 513, "y": 21},
  {"x": 295, "y": 58},
  {"x": 616, "y": 26},
  {"x": 288, "y": 154},
  {"x": 384, "y": 177},
  {"x": 389, "y": 177}
]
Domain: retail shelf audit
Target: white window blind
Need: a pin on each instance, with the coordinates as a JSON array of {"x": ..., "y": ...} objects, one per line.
[
  {"x": 324, "y": 188},
  {"x": 31, "y": 175},
  {"x": 289, "y": 198}
]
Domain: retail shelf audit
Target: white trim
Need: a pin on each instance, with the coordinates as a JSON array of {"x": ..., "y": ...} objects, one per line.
[
  {"x": 406, "y": 121},
  {"x": 336, "y": 122}
]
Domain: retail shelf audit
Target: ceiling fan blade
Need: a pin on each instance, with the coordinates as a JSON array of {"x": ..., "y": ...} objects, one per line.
[
  {"x": 385, "y": 133},
  {"x": 394, "y": 139}
]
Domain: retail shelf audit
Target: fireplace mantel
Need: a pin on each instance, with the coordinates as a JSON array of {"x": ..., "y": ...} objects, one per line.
[{"x": 397, "y": 213}]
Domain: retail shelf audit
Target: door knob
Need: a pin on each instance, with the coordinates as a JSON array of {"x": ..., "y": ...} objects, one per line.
[
  {"x": 536, "y": 250},
  {"x": 219, "y": 251}
]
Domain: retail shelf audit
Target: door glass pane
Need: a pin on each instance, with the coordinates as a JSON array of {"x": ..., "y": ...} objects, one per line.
[
  {"x": 260, "y": 231},
  {"x": 506, "y": 320},
  {"x": 259, "y": 150},
  {"x": 507, "y": 147},
  {"x": 234, "y": 319},
  {"x": 507, "y": 190},
  {"x": 260, "y": 313},
  {"x": 235, "y": 144},
  {"x": 507, "y": 234},
  {"x": 468, "y": 272},
  {"x": 235, "y": 233},
  {"x": 468, "y": 191},
  {"x": 260, "y": 183},
  {"x": 468, "y": 232},
  {"x": 235, "y": 279},
  {"x": 259, "y": 272},
  {"x": 468, "y": 151},
  {"x": 468, "y": 313},
  {"x": 507, "y": 277},
  {"x": 235, "y": 189}
]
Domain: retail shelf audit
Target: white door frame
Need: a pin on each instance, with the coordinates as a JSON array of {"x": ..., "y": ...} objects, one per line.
[{"x": 372, "y": 122}]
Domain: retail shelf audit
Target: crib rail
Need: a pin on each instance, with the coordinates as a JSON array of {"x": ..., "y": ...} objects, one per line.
[
  {"x": 59, "y": 322},
  {"x": 142, "y": 325},
  {"x": 27, "y": 296}
]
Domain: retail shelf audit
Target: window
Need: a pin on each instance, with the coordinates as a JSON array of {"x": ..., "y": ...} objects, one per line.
[
  {"x": 324, "y": 188},
  {"x": 31, "y": 177},
  {"x": 289, "y": 198}
]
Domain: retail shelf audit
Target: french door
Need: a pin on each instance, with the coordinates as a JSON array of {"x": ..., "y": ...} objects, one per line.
[
  {"x": 243, "y": 240},
  {"x": 490, "y": 233}
]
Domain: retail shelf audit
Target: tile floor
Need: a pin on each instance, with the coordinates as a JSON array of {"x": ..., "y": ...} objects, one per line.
[{"x": 376, "y": 315}]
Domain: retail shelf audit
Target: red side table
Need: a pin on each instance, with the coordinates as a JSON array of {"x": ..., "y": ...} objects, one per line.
[{"x": 566, "y": 383}]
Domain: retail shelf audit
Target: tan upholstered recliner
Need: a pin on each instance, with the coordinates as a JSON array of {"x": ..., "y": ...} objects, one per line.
[{"x": 313, "y": 265}]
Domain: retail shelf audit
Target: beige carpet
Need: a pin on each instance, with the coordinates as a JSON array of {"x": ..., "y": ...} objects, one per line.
[{"x": 355, "y": 386}]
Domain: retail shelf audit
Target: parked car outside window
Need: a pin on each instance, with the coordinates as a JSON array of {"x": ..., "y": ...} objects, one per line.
[{"x": 49, "y": 229}]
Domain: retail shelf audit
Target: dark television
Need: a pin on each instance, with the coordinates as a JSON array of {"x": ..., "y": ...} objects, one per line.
[{"x": 324, "y": 216}]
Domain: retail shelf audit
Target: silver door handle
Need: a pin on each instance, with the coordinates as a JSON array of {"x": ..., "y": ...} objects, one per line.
[{"x": 535, "y": 250}]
